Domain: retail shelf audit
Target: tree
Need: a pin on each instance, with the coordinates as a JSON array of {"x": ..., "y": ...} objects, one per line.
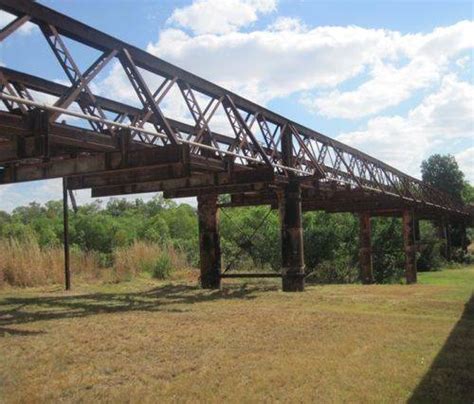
[
  {"x": 443, "y": 173},
  {"x": 468, "y": 193}
]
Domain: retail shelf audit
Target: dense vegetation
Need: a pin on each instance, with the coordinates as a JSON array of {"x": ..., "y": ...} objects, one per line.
[
  {"x": 159, "y": 235},
  {"x": 124, "y": 228}
]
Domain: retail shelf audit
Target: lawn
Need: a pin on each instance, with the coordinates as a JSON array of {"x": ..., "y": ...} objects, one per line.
[{"x": 148, "y": 341}]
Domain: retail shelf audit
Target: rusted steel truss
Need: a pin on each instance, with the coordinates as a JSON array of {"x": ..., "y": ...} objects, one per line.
[{"x": 224, "y": 126}]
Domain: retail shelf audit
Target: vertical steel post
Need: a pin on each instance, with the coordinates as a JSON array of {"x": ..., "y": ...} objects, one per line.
[
  {"x": 67, "y": 273},
  {"x": 209, "y": 242},
  {"x": 409, "y": 245},
  {"x": 292, "y": 238},
  {"x": 365, "y": 249}
]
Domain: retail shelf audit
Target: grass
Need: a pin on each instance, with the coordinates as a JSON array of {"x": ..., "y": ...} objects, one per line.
[
  {"x": 151, "y": 341},
  {"x": 45, "y": 266}
]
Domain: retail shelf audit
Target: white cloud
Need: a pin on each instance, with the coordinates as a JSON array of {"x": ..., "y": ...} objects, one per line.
[
  {"x": 220, "y": 16},
  {"x": 463, "y": 63},
  {"x": 465, "y": 160},
  {"x": 267, "y": 64},
  {"x": 288, "y": 57},
  {"x": 441, "y": 120},
  {"x": 287, "y": 24},
  {"x": 6, "y": 18},
  {"x": 389, "y": 85}
]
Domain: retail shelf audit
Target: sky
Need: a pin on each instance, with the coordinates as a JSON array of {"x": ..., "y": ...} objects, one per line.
[{"x": 391, "y": 78}]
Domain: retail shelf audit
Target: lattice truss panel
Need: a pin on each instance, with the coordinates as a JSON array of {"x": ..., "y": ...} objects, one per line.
[{"x": 170, "y": 108}]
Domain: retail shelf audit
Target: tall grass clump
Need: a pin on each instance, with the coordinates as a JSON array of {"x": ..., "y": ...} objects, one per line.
[
  {"x": 25, "y": 263},
  {"x": 152, "y": 258}
]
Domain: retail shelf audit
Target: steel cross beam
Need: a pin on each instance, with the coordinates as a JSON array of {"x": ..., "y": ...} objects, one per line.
[
  {"x": 145, "y": 95},
  {"x": 79, "y": 83},
  {"x": 13, "y": 26}
]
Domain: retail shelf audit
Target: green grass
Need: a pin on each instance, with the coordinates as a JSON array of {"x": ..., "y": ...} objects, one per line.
[{"x": 150, "y": 341}]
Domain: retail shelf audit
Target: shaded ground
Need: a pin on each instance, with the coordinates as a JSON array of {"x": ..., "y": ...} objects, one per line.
[{"x": 147, "y": 341}]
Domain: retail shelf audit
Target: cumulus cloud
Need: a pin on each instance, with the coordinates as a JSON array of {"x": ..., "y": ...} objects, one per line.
[
  {"x": 465, "y": 160},
  {"x": 463, "y": 63},
  {"x": 288, "y": 57},
  {"x": 428, "y": 59},
  {"x": 271, "y": 63},
  {"x": 440, "y": 120},
  {"x": 220, "y": 16}
]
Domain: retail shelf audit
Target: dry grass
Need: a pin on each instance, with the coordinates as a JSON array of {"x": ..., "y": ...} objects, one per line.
[
  {"x": 148, "y": 341},
  {"x": 25, "y": 264},
  {"x": 130, "y": 261}
]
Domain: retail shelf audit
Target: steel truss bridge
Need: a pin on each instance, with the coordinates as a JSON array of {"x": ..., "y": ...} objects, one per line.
[{"x": 226, "y": 144}]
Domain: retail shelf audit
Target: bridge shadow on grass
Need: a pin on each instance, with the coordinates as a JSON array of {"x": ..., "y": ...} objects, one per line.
[
  {"x": 166, "y": 298},
  {"x": 451, "y": 376}
]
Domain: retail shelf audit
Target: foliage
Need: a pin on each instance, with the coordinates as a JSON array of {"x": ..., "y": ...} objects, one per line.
[
  {"x": 162, "y": 267},
  {"x": 468, "y": 193},
  {"x": 444, "y": 174},
  {"x": 338, "y": 270}
]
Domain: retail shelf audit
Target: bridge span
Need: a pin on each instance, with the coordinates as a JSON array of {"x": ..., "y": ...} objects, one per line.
[{"x": 223, "y": 144}]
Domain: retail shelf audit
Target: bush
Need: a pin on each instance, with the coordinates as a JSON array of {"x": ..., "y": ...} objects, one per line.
[
  {"x": 339, "y": 270},
  {"x": 146, "y": 257},
  {"x": 162, "y": 267}
]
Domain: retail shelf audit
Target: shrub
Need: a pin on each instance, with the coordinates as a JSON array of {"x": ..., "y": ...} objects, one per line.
[
  {"x": 162, "y": 267},
  {"x": 339, "y": 270},
  {"x": 147, "y": 257}
]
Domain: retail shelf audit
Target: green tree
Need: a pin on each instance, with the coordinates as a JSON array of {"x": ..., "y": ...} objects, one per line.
[
  {"x": 443, "y": 173},
  {"x": 468, "y": 193}
]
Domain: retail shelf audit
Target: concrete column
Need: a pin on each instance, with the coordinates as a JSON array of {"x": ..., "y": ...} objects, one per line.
[
  {"x": 292, "y": 238},
  {"x": 409, "y": 245},
  {"x": 365, "y": 249},
  {"x": 209, "y": 242}
]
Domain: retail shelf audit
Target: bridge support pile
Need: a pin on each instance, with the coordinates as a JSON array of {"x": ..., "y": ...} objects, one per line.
[
  {"x": 408, "y": 224},
  {"x": 292, "y": 238},
  {"x": 365, "y": 249},
  {"x": 209, "y": 242}
]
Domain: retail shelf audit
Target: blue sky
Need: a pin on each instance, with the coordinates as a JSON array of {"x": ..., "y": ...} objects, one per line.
[{"x": 392, "y": 78}]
